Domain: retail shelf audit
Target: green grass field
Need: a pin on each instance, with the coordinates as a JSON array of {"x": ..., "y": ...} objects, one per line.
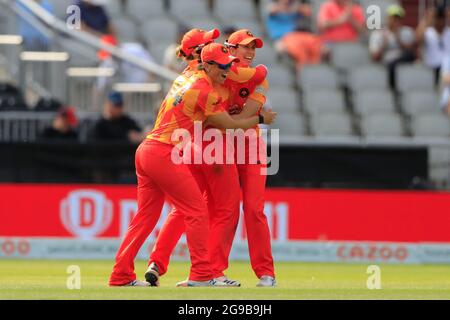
[{"x": 47, "y": 280}]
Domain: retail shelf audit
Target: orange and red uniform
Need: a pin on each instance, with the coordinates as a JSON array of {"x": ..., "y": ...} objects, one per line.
[
  {"x": 160, "y": 178},
  {"x": 219, "y": 182}
]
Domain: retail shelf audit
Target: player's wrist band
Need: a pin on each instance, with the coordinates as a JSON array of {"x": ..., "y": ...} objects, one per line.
[{"x": 261, "y": 119}]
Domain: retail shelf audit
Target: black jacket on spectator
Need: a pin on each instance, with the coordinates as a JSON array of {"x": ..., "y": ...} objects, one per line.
[
  {"x": 51, "y": 134},
  {"x": 114, "y": 130}
]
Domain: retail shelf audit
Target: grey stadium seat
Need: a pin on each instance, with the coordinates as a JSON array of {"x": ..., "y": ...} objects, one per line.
[
  {"x": 159, "y": 30},
  {"x": 235, "y": 9},
  {"x": 332, "y": 125},
  {"x": 367, "y": 77},
  {"x": 318, "y": 77},
  {"x": 60, "y": 7},
  {"x": 279, "y": 76},
  {"x": 323, "y": 101},
  {"x": 267, "y": 56},
  {"x": 284, "y": 101},
  {"x": 349, "y": 55},
  {"x": 253, "y": 26},
  {"x": 114, "y": 8},
  {"x": 291, "y": 124},
  {"x": 142, "y": 9},
  {"x": 158, "y": 50},
  {"x": 205, "y": 23},
  {"x": 420, "y": 102},
  {"x": 126, "y": 29},
  {"x": 382, "y": 125},
  {"x": 373, "y": 101},
  {"x": 414, "y": 77},
  {"x": 186, "y": 10},
  {"x": 431, "y": 125}
]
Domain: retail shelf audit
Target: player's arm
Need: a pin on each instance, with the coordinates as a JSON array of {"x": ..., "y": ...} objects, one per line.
[
  {"x": 223, "y": 120},
  {"x": 250, "y": 109},
  {"x": 255, "y": 101}
]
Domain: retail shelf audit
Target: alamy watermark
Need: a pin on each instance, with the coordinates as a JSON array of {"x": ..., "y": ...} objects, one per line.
[
  {"x": 374, "y": 280},
  {"x": 74, "y": 279},
  {"x": 73, "y": 21}
]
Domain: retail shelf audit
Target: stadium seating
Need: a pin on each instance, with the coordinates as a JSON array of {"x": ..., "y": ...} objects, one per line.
[
  {"x": 324, "y": 101},
  {"x": 346, "y": 56},
  {"x": 187, "y": 10},
  {"x": 230, "y": 10},
  {"x": 430, "y": 125},
  {"x": 332, "y": 125},
  {"x": 290, "y": 124},
  {"x": 126, "y": 29},
  {"x": 347, "y": 96},
  {"x": 373, "y": 101},
  {"x": 142, "y": 10},
  {"x": 159, "y": 30},
  {"x": 414, "y": 77},
  {"x": 284, "y": 101},
  {"x": 368, "y": 76},
  {"x": 317, "y": 77},
  {"x": 280, "y": 76},
  {"x": 420, "y": 102},
  {"x": 382, "y": 125}
]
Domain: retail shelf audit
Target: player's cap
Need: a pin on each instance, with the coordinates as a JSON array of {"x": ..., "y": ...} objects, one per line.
[
  {"x": 197, "y": 37},
  {"x": 69, "y": 114},
  {"x": 243, "y": 37},
  {"x": 115, "y": 98},
  {"x": 218, "y": 53},
  {"x": 395, "y": 10}
]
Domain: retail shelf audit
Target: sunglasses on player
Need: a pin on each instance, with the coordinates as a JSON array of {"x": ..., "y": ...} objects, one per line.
[{"x": 221, "y": 66}]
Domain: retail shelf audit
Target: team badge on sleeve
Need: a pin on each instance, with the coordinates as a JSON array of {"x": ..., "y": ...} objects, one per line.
[{"x": 244, "y": 92}]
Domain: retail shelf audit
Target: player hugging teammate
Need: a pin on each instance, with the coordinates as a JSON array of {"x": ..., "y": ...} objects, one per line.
[{"x": 221, "y": 89}]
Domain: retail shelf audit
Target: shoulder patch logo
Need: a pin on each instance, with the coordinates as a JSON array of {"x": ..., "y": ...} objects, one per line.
[{"x": 244, "y": 92}]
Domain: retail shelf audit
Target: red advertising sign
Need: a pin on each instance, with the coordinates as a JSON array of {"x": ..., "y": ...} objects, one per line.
[{"x": 94, "y": 211}]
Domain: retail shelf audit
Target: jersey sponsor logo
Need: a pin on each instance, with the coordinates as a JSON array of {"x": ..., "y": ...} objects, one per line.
[{"x": 86, "y": 213}]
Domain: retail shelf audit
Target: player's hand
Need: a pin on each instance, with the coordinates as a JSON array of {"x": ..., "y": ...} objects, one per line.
[{"x": 269, "y": 116}]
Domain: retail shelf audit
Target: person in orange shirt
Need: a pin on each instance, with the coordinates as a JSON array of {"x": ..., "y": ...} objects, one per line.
[
  {"x": 159, "y": 177},
  {"x": 340, "y": 21}
]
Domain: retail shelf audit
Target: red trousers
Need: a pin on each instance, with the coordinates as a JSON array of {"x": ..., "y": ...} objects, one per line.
[
  {"x": 160, "y": 178},
  {"x": 220, "y": 186},
  {"x": 220, "y": 198}
]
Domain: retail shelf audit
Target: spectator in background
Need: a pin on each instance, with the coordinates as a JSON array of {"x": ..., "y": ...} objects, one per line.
[
  {"x": 340, "y": 21},
  {"x": 115, "y": 124},
  {"x": 445, "y": 101},
  {"x": 34, "y": 40},
  {"x": 394, "y": 44},
  {"x": 433, "y": 37},
  {"x": 286, "y": 16},
  {"x": 94, "y": 18},
  {"x": 63, "y": 127},
  {"x": 171, "y": 60}
]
